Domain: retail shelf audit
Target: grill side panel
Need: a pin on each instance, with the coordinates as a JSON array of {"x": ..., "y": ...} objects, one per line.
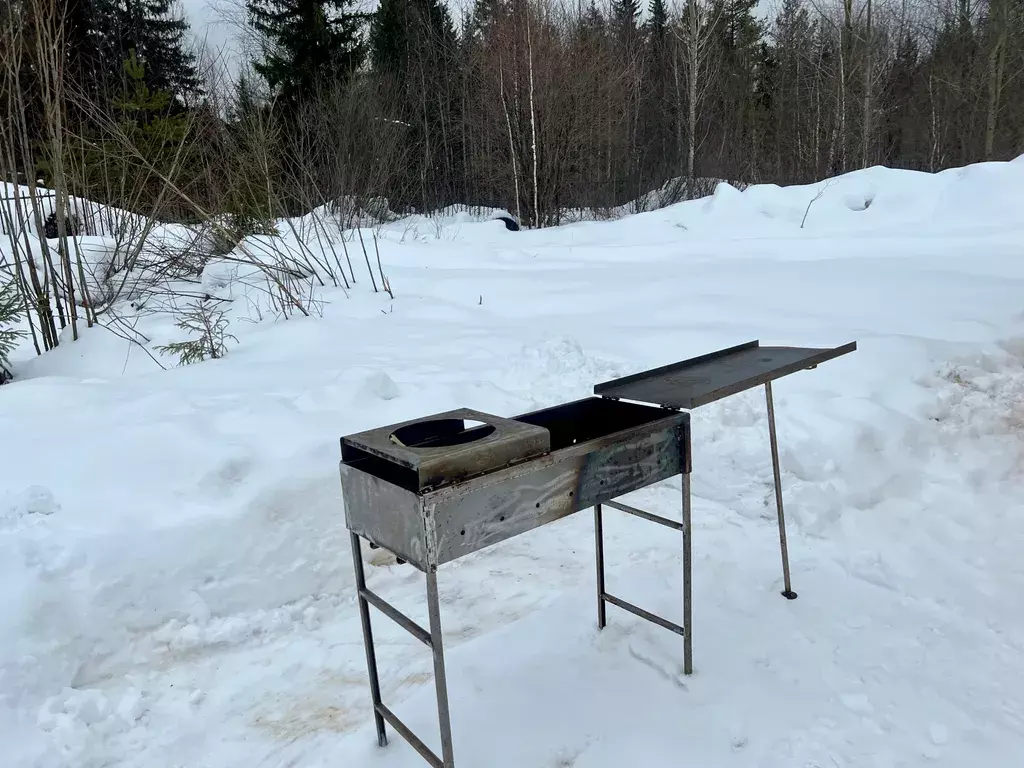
[
  {"x": 486, "y": 511},
  {"x": 386, "y": 515}
]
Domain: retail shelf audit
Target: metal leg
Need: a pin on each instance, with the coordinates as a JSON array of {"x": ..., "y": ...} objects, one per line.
[
  {"x": 440, "y": 681},
  {"x": 599, "y": 546},
  {"x": 687, "y": 587},
  {"x": 371, "y": 656},
  {"x": 788, "y": 593}
]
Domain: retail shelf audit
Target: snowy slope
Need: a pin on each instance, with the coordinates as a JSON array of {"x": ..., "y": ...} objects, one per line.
[{"x": 177, "y": 586}]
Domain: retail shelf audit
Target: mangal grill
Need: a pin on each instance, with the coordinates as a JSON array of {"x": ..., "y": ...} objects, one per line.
[{"x": 435, "y": 489}]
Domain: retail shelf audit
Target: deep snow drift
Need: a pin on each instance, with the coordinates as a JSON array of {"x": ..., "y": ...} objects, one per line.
[{"x": 176, "y": 581}]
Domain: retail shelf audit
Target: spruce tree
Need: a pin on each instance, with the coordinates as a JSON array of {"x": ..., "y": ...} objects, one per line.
[
  {"x": 657, "y": 25},
  {"x": 309, "y": 41},
  {"x": 401, "y": 30},
  {"x": 101, "y": 35},
  {"x": 624, "y": 17},
  {"x": 413, "y": 46},
  {"x": 11, "y": 310},
  {"x": 593, "y": 23},
  {"x": 160, "y": 44},
  {"x": 626, "y": 12},
  {"x": 482, "y": 17}
]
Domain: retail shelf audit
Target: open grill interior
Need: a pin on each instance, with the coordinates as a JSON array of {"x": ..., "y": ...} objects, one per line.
[
  {"x": 371, "y": 464},
  {"x": 590, "y": 418},
  {"x": 567, "y": 424},
  {"x": 441, "y": 433}
]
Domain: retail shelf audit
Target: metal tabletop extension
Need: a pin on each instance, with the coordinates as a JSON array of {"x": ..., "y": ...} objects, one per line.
[{"x": 701, "y": 380}]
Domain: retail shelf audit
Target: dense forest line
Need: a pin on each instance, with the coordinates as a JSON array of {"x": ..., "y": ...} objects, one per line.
[
  {"x": 115, "y": 125},
  {"x": 537, "y": 106}
]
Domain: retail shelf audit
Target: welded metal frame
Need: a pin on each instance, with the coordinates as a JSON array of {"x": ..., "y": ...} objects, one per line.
[
  {"x": 428, "y": 526},
  {"x": 685, "y": 630},
  {"x": 787, "y": 591},
  {"x": 432, "y": 639},
  {"x": 701, "y": 380},
  {"x": 594, "y": 488}
]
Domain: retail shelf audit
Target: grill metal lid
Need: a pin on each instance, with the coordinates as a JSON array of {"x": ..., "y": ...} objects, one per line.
[{"x": 439, "y": 449}]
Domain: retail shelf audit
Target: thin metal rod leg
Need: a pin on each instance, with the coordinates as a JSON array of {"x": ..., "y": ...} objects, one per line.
[
  {"x": 440, "y": 681},
  {"x": 687, "y": 584},
  {"x": 371, "y": 656},
  {"x": 788, "y": 593},
  {"x": 599, "y": 548}
]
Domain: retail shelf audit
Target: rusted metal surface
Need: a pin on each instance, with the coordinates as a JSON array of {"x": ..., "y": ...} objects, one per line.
[
  {"x": 443, "y": 449},
  {"x": 483, "y": 512},
  {"x": 386, "y": 515},
  {"x": 702, "y": 380},
  {"x": 603, "y": 450}
]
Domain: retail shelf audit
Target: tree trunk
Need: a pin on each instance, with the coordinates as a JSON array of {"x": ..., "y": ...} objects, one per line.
[
  {"x": 996, "y": 72},
  {"x": 868, "y": 85}
]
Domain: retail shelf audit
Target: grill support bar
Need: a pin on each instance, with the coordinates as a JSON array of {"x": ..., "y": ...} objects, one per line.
[
  {"x": 602, "y": 618},
  {"x": 440, "y": 679},
  {"x": 638, "y": 611},
  {"x": 371, "y": 655},
  {"x": 403, "y": 730},
  {"x": 431, "y": 639},
  {"x": 645, "y": 515},
  {"x": 788, "y": 592},
  {"x": 396, "y": 616},
  {"x": 604, "y": 597}
]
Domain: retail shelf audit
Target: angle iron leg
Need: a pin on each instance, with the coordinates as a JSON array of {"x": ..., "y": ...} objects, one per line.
[
  {"x": 687, "y": 585},
  {"x": 371, "y": 656},
  {"x": 599, "y": 548},
  {"x": 440, "y": 681},
  {"x": 788, "y": 593}
]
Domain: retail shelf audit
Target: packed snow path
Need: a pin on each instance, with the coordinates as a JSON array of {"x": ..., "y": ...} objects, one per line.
[{"x": 175, "y": 580}]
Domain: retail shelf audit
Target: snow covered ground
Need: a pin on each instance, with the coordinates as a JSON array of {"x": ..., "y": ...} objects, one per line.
[{"x": 175, "y": 580}]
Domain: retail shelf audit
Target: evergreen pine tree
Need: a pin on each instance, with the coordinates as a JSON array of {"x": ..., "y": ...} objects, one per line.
[
  {"x": 413, "y": 44},
  {"x": 389, "y": 36},
  {"x": 903, "y": 89},
  {"x": 658, "y": 103},
  {"x": 310, "y": 41},
  {"x": 593, "y": 21},
  {"x": 101, "y": 34},
  {"x": 246, "y": 101},
  {"x": 482, "y": 17},
  {"x": 625, "y": 14},
  {"x": 11, "y": 308},
  {"x": 403, "y": 29},
  {"x": 155, "y": 129},
  {"x": 657, "y": 25},
  {"x": 160, "y": 44}
]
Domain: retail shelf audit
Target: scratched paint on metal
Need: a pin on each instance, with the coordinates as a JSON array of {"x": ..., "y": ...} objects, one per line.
[
  {"x": 386, "y": 515},
  {"x": 483, "y": 516}
]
